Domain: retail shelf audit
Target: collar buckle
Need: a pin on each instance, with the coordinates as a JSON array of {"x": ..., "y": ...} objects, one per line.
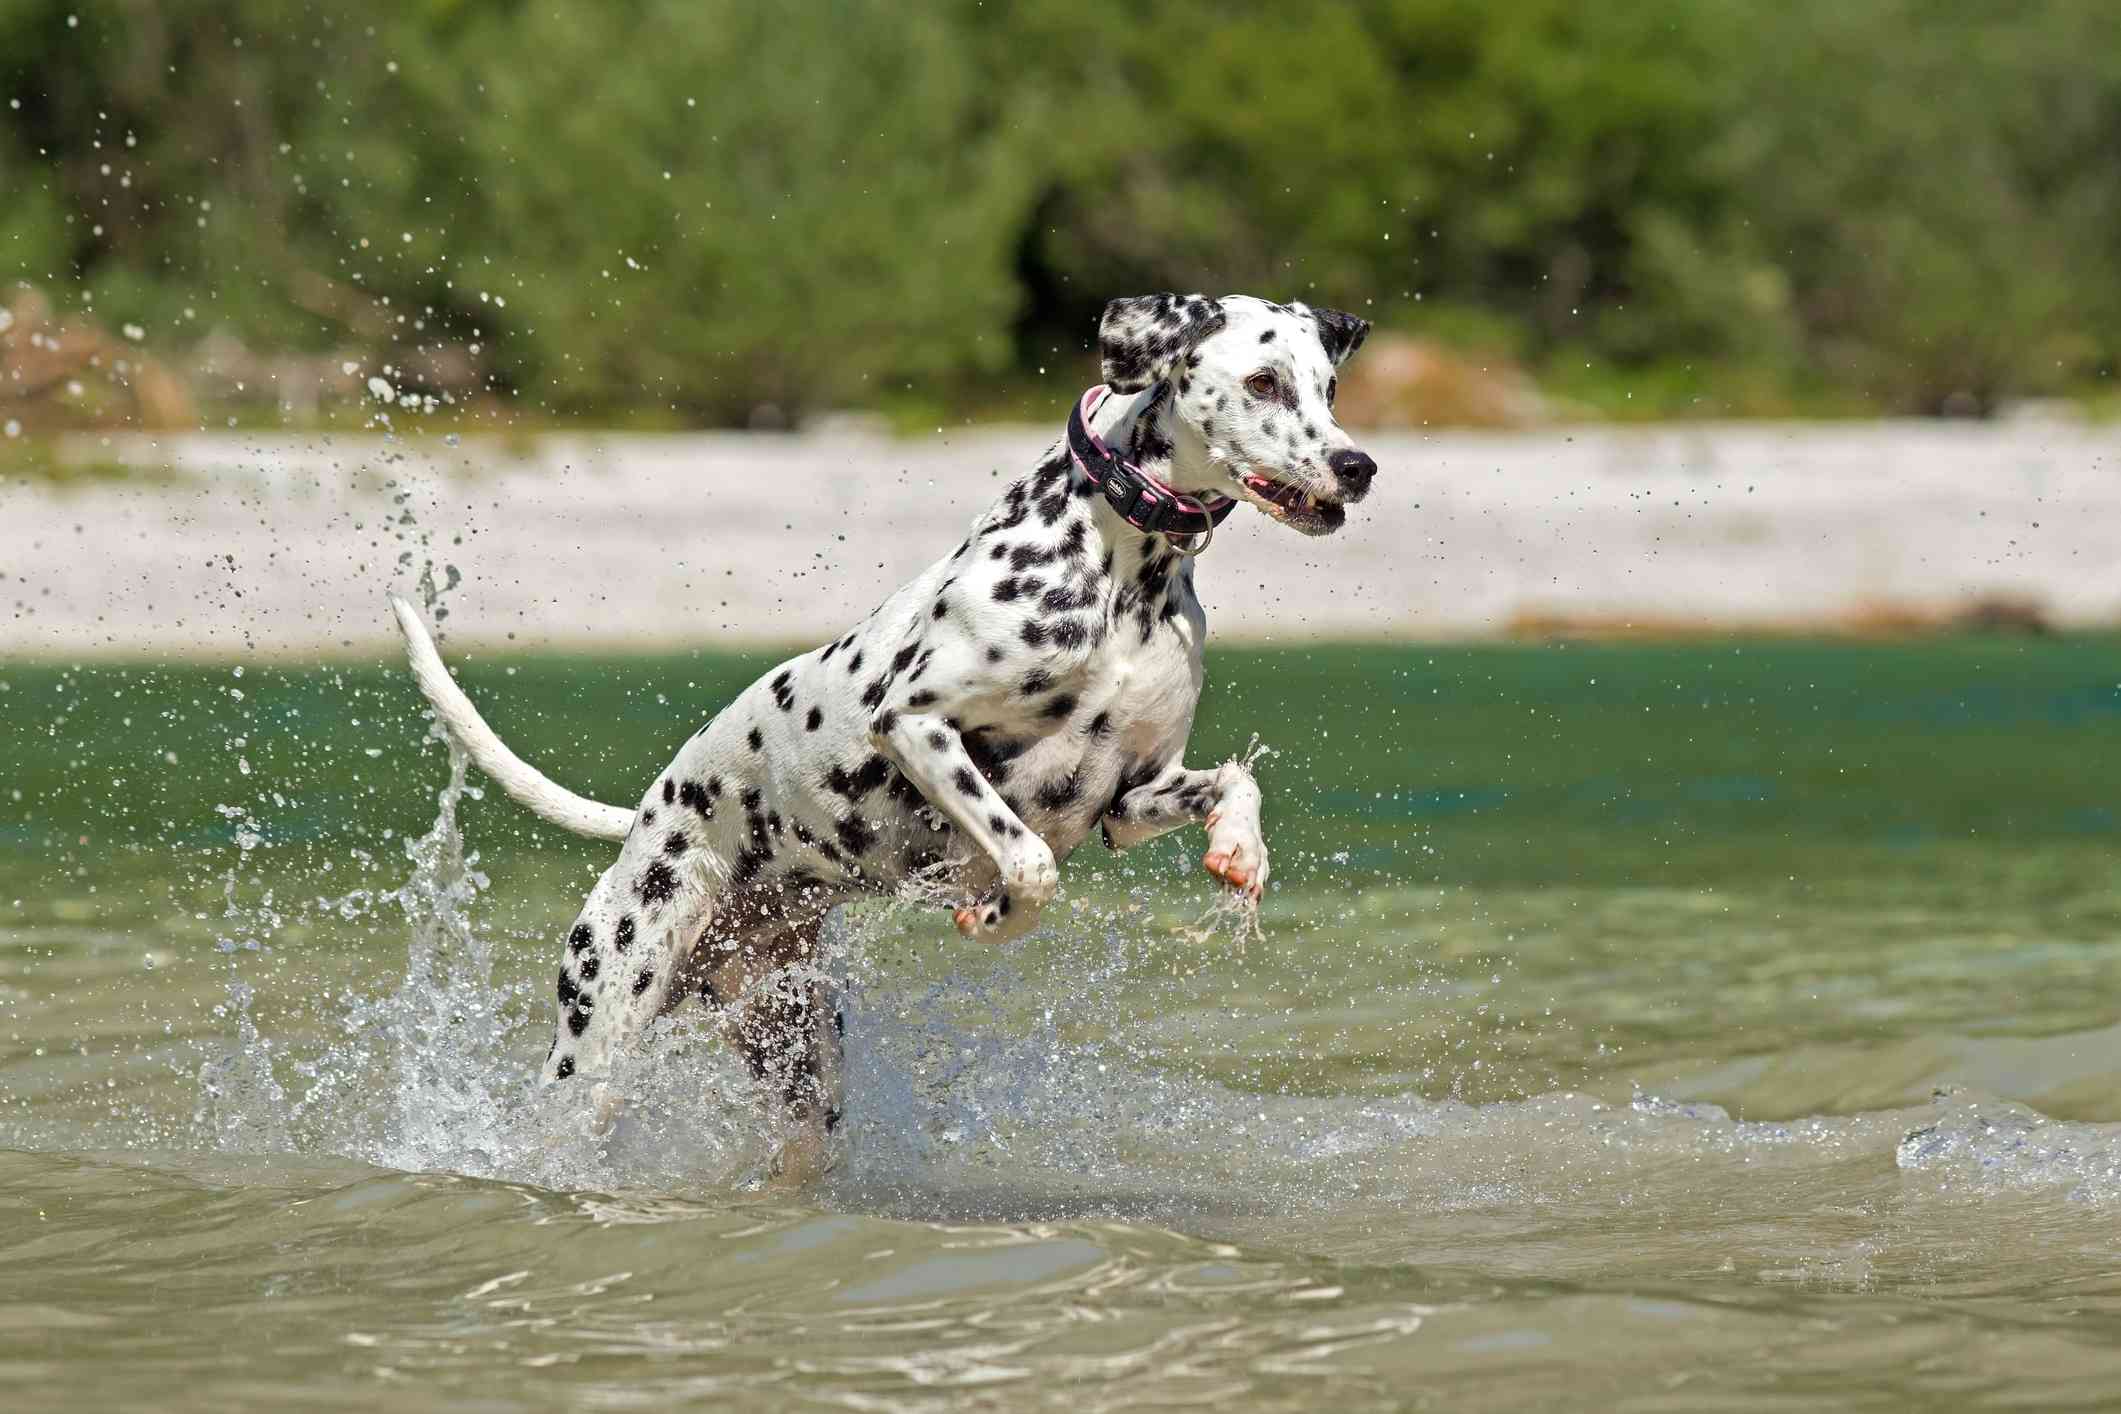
[{"x": 1124, "y": 491}]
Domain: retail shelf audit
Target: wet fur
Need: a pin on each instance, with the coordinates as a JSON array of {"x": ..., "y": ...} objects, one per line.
[{"x": 1034, "y": 685}]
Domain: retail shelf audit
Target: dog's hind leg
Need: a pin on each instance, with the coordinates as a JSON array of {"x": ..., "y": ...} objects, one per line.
[
  {"x": 627, "y": 950},
  {"x": 786, "y": 1020},
  {"x": 791, "y": 1031}
]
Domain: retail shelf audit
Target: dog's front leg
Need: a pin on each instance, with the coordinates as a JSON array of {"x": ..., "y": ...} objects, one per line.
[
  {"x": 1226, "y": 800},
  {"x": 931, "y": 754}
]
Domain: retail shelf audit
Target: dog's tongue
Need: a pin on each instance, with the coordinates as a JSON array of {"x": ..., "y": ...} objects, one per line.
[{"x": 1285, "y": 496}]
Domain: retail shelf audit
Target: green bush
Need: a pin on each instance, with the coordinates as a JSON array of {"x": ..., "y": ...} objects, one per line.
[{"x": 687, "y": 210}]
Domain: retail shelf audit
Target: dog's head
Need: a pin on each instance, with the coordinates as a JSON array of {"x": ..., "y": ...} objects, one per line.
[{"x": 1250, "y": 387}]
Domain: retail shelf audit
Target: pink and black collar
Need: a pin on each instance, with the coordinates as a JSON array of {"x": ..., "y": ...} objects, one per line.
[{"x": 1142, "y": 501}]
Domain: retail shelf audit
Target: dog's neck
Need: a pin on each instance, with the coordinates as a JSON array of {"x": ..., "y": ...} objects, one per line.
[{"x": 1147, "y": 426}]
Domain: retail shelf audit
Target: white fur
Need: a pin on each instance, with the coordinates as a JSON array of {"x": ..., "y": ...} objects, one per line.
[{"x": 1032, "y": 686}]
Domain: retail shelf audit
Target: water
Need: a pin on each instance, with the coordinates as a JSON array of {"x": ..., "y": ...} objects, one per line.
[{"x": 1631, "y": 1027}]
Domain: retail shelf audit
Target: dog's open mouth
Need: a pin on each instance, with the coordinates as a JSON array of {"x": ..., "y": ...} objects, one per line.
[{"x": 1294, "y": 506}]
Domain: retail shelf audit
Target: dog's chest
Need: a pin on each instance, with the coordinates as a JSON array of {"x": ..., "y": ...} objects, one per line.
[{"x": 1133, "y": 708}]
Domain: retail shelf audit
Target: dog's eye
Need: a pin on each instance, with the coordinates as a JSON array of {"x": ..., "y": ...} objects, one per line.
[
  {"x": 1260, "y": 385},
  {"x": 1332, "y": 389}
]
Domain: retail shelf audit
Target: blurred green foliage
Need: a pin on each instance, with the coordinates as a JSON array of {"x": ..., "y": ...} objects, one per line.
[{"x": 687, "y": 210}]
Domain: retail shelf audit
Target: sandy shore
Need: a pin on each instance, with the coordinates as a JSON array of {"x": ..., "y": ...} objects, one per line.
[{"x": 285, "y": 545}]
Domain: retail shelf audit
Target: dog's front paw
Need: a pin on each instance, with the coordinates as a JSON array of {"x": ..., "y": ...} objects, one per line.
[
  {"x": 1029, "y": 875},
  {"x": 1236, "y": 854}
]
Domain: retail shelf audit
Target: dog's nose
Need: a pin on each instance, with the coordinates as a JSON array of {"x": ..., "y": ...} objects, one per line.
[{"x": 1353, "y": 470}]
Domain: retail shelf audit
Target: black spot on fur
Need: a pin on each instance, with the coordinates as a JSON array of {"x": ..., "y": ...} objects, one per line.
[
  {"x": 992, "y": 756},
  {"x": 783, "y": 694},
  {"x": 676, "y": 844},
  {"x": 591, "y": 966},
  {"x": 1034, "y": 633},
  {"x": 923, "y": 698},
  {"x": 670, "y": 790},
  {"x": 568, "y": 990},
  {"x": 1059, "y": 708},
  {"x": 643, "y": 982},
  {"x": 1062, "y": 599},
  {"x": 577, "y": 1022},
  {"x": 749, "y": 863},
  {"x": 1056, "y": 795},
  {"x": 966, "y": 782},
  {"x": 859, "y": 782},
  {"x": 580, "y": 938},
  {"x": 757, "y": 739},
  {"x": 1070, "y": 633},
  {"x": 564, "y": 1069},
  {"x": 815, "y": 720},
  {"x": 694, "y": 797},
  {"x": 855, "y": 835},
  {"x": 622, "y": 938},
  {"x": 1150, "y": 443},
  {"x": 658, "y": 884},
  {"x": 902, "y": 790},
  {"x": 1100, "y": 725},
  {"x": 854, "y": 665}
]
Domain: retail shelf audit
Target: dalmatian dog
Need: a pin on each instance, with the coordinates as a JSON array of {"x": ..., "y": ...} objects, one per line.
[{"x": 1036, "y": 683}]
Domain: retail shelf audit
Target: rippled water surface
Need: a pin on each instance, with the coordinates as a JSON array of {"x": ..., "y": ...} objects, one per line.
[{"x": 1674, "y": 1027}]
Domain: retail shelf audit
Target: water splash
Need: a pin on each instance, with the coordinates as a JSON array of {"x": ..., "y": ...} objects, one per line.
[
  {"x": 1997, "y": 1146},
  {"x": 962, "y": 1101}
]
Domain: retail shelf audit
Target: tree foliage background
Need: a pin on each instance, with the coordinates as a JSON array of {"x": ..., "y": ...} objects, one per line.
[{"x": 691, "y": 207}]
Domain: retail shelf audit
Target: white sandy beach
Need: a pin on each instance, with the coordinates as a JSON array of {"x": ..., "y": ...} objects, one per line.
[{"x": 285, "y": 545}]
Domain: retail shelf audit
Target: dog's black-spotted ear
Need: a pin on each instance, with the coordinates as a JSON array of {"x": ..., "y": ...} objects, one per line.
[
  {"x": 1141, "y": 337},
  {"x": 1341, "y": 334}
]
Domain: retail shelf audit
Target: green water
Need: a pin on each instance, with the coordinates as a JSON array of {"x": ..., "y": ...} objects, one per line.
[{"x": 1634, "y": 1027}]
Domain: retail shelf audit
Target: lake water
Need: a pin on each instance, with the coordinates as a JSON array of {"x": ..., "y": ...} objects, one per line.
[{"x": 1724, "y": 1024}]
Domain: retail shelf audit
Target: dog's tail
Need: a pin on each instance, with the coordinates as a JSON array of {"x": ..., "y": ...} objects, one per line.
[{"x": 546, "y": 799}]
